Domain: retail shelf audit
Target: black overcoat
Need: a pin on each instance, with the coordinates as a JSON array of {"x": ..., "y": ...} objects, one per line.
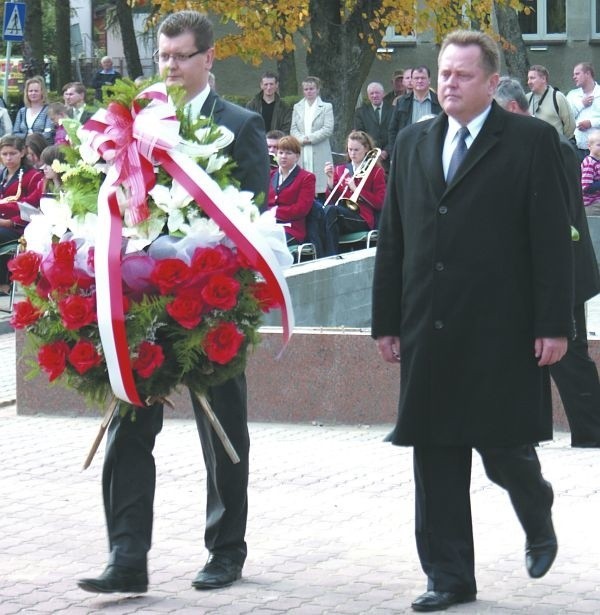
[{"x": 468, "y": 275}]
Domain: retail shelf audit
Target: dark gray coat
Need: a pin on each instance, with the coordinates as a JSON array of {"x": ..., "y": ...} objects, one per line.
[{"x": 468, "y": 275}]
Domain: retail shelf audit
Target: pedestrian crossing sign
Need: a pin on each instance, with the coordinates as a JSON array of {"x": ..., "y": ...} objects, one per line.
[{"x": 14, "y": 21}]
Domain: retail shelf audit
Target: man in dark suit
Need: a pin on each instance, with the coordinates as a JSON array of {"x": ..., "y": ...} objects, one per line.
[
  {"x": 74, "y": 97},
  {"x": 575, "y": 375},
  {"x": 185, "y": 56},
  {"x": 473, "y": 292},
  {"x": 420, "y": 102},
  {"x": 373, "y": 117}
]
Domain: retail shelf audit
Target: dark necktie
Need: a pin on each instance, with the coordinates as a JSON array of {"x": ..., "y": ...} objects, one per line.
[
  {"x": 378, "y": 114},
  {"x": 460, "y": 151}
]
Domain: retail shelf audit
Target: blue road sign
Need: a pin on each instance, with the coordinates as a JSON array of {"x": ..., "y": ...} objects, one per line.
[{"x": 14, "y": 21}]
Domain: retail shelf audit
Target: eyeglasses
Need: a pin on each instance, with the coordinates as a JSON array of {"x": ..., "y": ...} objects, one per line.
[{"x": 179, "y": 58}]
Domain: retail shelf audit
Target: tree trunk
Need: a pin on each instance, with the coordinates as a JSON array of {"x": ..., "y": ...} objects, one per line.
[
  {"x": 130, "y": 48},
  {"x": 33, "y": 46},
  {"x": 63, "y": 44},
  {"x": 286, "y": 69},
  {"x": 341, "y": 59},
  {"x": 515, "y": 55}
]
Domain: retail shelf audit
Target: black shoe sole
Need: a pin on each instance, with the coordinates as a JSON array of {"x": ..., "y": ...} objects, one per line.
[
  {"x": 202, "y": 586},
  {"x": 95, "y": 589}
]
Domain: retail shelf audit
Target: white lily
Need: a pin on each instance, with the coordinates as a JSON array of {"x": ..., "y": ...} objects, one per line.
[
  {"x": 144, "y": 233},
  {"x": 85, "y": 226}
]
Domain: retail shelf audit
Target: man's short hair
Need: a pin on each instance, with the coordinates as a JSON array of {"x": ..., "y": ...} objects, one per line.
[
  {"x": 540, "y": 70},
  {"x": 189, "y": 21},
  {"x": 510, "y": 89},
  {"x": 490, "y": 54},
  {"x": 421, "y": 69},
  {"x": 270, "y": 75},
  {"x": 587, "y": 67},
  {"x": 76, "y": 85},
  {"x": 376, "y": 84},
  {"x": 275, "y": 134}
]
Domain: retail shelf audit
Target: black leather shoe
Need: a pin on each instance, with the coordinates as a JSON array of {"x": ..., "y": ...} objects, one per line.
[
  {"x": 219, "y": 571},
  {"x": 539, "y": 557},
  {"x": 117, "y": 579},
  {"x": 439, "y": 601}
]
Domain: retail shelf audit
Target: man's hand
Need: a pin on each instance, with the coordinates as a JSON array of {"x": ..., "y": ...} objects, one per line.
[
  {"x": 584, "y": 125},
  {"x": 549, "y": 350},
  {"x": 389, "y": 348}
]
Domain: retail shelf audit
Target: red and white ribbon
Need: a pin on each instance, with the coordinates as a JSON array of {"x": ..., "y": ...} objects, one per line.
[{"x": 132, "y": 145}]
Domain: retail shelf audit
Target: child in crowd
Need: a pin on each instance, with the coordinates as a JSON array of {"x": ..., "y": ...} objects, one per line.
[
  {"x": 590, "y": 175},
  {"x": 58, "y": 112}
]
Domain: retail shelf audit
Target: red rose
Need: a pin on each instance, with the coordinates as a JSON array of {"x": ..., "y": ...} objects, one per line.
[
  {"x": 25, "y": 267},
  {"x": 77, "y": 311},
  {"x": 262, "y": 294},
  {"x": 150, "y": 357},
  {"x": 53, "y": 358},
  {"x": 59, "y": 266},
  {"x": 64, "y": 253},
  {"x": 221, "y": 292},
  {"x": 24, "y": 314},
  {"x": 170, "y": 274},
  {"x": 213, "y": 260},
  {"x": 222, "y": 343},
  {"x": 187, "y": 311},
  {"x": 84, "y": 356}
]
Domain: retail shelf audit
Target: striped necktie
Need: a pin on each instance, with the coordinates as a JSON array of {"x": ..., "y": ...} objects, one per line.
[{"x": 460, "y": 151}]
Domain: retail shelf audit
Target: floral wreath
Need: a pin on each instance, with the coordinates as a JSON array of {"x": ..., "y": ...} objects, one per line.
[{"x": 151, "y": 268}]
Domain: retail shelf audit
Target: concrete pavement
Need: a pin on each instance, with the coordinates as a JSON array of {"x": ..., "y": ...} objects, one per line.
[{"x": 330, "y": 527}]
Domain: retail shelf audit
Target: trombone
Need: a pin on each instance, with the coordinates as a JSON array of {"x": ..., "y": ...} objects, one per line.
[{"x": 362, "y": 174}]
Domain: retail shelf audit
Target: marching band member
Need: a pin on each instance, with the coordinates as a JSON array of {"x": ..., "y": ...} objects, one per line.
[{"x": 357, "y": 188}]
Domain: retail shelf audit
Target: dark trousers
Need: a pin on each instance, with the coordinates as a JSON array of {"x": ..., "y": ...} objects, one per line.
[
  {"x": 576, "y": 379},
  {"x": 443, "y": 525},
  {"x": 340, "y": 220},
  {"x": 129, "y": 477}
]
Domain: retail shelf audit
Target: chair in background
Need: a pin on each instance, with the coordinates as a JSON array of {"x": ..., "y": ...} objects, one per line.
[
  {"x": 356, "y": 240},
  {"x": 304, "y": 250}
]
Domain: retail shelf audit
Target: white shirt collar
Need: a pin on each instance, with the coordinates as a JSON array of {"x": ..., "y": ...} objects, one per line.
[
  {"x": 195, "y": 105},
  {"x": 474, "y": 126}
]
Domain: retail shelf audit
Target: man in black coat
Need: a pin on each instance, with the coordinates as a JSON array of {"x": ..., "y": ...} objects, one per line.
[
  {"x": 422, "y": 101},
  {"x": 185, "y": 55},
  {"x": 373, "y": 117},
  {"x": 575, "y": 375},
  {"x": 473, "y": 293}
]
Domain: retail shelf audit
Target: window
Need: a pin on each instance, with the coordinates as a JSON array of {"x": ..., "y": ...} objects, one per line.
[
  {"x": 546, "y": 20},
  {"x": 393, "y": 36},
  {"x": 596, "y": 18}
]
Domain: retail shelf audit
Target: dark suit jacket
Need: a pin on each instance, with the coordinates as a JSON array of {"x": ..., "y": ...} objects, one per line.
[
  {"x": 587, "y": 280},
  {"x": 366, "y": 120},
  {"x": 468, "y": 275},
  {"x": 249, "y": 148},
  {"x": 402, "y": 115},
  {"x": 85, "y": 116}
]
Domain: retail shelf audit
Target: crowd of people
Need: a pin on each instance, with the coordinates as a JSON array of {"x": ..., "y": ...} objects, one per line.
[
  {"x": 377, "y": 122},
  {"x": 30, "y": 145}
]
